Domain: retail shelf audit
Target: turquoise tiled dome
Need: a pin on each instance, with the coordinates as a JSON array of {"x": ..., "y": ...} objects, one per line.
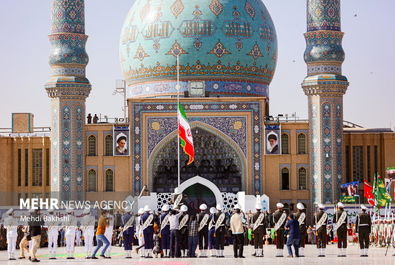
[{"x": 226, "y": 47}]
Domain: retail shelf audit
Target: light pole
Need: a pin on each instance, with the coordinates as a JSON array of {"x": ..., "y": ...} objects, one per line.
[{"x": 120, "y": 88}]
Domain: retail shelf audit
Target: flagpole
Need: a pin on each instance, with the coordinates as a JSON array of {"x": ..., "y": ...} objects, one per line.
[
  {"x": 178, "y": 102},
  {"x": 377, "y": 207}
]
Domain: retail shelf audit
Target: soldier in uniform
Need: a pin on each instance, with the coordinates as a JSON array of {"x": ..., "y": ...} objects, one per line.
[
  {"x": 301, "y": 217},
  {"x": 341, "y": 221},
  {"x": 71, "y": 227},
  {"x": 363, "y": 229},
  {"x": 147, "y": 223},
  {"x": 53, "y": 233},
  {"x": 381, "y": 236},
  {"x": 202, "y": 219},
  {"x": 259, "y": 229},
  {"x": 165, "y": 230},
  {"x": 388, "y": 231},
  {"x": 220, "y": 221},
  {"x": 184, "y": 231},
  {"x": 88, "y": 231},
  {"x": 321, "y": 221},
  {"x": 10, "y": 223},
  {"x": 211, "y": 232},
  {"x": 279, "y": 218},
  {"x": 128, "y": 232},
  {"x": 139, "y": 232}
]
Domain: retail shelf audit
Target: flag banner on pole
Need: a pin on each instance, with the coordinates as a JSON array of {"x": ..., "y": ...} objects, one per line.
[
  {"x": 368, "y": 193},
  {"x": 185, "y": 134},
  {"x": 380, "y": 193}
]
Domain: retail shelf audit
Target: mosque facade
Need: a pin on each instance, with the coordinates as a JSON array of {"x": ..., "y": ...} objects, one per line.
[{"x": 227, "y": 54}]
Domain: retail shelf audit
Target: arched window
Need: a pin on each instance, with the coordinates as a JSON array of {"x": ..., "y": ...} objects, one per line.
[
  {"x": 92, "y": 145},
  {"x": 302, "y": 143},
  {"x": 302, "y": 178},
  {"x": 92, "y": 180},
  {"x": 285, "y": 179},
  {"x": 284, "y": 143},
  {"x": 109, "y": 145},
  {"x": 109, "y": 180}
]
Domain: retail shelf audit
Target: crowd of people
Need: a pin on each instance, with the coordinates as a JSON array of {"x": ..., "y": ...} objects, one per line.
[{"x": 177, "y": 232}]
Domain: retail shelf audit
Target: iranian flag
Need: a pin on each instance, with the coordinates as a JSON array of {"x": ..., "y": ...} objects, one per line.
[{"x": 185, "y": 134}]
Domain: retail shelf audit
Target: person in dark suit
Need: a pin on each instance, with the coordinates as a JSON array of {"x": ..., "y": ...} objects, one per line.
[{"x": 292, "y": 226}]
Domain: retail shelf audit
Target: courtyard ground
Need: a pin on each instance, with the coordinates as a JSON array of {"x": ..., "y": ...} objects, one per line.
[{"x": 376, "y": 256}]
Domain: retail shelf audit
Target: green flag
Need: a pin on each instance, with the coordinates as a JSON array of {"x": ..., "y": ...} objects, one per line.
[{"x": 380, "y": 193}]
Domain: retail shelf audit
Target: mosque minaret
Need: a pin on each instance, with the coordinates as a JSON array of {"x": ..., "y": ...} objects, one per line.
[
  {"x": 68, "y": 89},
  {"x": 325, "y": 86}
]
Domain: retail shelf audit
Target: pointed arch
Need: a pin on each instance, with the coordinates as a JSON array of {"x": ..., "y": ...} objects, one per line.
[{"x": 210, "y": 129}]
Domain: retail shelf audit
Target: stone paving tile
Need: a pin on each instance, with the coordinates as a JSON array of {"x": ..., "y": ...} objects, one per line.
[{"x": 376, "y": 257}]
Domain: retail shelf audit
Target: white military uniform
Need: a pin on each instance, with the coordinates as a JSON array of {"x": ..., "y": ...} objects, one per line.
[
  {"x": 10, "y": 223},
  {"x": 88, "y": 230},
  {"x": 139, "y": 231},
  {"x": 78, "y": 237},
  {"x": 69, "y": 235},
  {"x": 108, "y": 233},
  {"x": 53, "y": 233}
]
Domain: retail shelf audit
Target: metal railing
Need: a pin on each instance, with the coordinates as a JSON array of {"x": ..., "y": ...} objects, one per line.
[
  {"x": 37, "y": 132},
  {"x": 105, "y": 119},
  {"x": 349, "y": 124}
]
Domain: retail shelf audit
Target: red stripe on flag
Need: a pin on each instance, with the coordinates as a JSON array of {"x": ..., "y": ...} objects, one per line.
[{"x": 188, "y": 147}]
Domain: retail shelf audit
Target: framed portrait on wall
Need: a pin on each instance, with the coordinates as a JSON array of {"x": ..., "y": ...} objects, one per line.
[
  {"x": 121, "y": 140},
  {"x": 273, "y": 140}
]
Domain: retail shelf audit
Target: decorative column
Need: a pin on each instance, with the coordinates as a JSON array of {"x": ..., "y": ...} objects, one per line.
[
  {"x": 68, "y": 88},
  {"x": 325, "y": 86}
]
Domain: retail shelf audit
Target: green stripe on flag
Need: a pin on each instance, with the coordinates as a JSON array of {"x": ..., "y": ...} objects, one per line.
[{"x": 182, "y": 111}]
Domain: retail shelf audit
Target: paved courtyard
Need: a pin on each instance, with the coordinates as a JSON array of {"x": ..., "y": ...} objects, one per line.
[{"x": 376, "y": 257}]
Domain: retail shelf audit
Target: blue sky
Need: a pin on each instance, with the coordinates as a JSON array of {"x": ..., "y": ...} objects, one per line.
[{"x": 369, "y": 44}]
